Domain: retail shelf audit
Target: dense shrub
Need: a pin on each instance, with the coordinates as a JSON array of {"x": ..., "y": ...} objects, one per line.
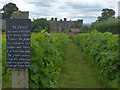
[{"x": 111, "y": 25}]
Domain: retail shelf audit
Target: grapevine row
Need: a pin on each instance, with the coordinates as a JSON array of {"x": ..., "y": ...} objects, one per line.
[
  {"x": 103, "y": 49},
  {"x": 47, "y": 52}
]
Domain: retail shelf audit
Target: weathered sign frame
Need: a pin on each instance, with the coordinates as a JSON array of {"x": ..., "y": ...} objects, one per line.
[
  {"x": 20, "y": 76},
  {"x": 18, "y": 40}
]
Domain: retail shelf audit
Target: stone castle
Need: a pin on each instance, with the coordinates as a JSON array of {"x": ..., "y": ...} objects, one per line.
[
  {"x": 57, "y": 26},
  {"x": 61, "y": 26}
]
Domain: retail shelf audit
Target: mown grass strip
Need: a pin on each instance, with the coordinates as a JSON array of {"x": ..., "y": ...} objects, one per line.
[{"x": 78, "y": 71}]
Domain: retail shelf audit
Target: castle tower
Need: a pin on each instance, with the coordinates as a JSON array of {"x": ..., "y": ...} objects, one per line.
[{"x": 79, "y": 22}]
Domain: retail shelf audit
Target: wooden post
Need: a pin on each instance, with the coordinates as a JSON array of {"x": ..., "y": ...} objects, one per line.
[{"x": 20, "y": 76}]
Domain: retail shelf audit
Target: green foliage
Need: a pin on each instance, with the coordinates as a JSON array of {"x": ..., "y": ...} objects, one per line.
[
  {"x": 84, "y": 29},
  {"x": 3, "y": 29},
  {"x": 118, "y": 17},
  {"x": 106, "y": 13},
  {"x": 47, "y": 52},
  {"x": 75, "y": 26},
  {"x": 67, "y": 31},
  {"x": 103, "y": 49},
  {"x": 0, "y": 60},
  {"x": 8, "y": 10},
  {"x": 6, "y": 73},
  {"x": 111, "y": 25},
  {"x": 39, "y": 24},
  {"x": 106, "y": 22}
]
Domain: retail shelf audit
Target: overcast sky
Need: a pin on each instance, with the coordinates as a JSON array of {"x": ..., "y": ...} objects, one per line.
[{"x": 88, "y": 10}]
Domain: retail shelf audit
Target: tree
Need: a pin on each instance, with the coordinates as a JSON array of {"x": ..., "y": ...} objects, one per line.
[
  {"x": 8, "y": 10},
  {"x": 106, "y": 13},
  {"x": 39, "y": 24}
]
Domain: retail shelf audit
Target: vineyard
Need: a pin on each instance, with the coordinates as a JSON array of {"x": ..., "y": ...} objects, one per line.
[
  {"x": 70, "y": 50},
  {"x": 47, "y": 56},
  {"x": 47, "y": 52},
  {"x": 103, "y": 49}
]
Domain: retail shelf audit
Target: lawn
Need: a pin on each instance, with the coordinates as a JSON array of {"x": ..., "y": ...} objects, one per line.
[{"x": 80, "y": 72}]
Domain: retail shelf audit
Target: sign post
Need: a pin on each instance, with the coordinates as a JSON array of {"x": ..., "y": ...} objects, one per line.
[{"x": 18, "y": 40}]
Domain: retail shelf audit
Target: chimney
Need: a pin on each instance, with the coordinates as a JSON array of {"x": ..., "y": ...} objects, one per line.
[
  {"x": 60, "y": 19},
  {"x": 55, "y": 19},
  {"x": 81, "y": 21},
  {"x": 65, "y": 19},
  {"x": 52, "y": 18}
]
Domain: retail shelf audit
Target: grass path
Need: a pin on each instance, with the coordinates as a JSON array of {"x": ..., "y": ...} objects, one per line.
[{"x": 78, "y": 72}]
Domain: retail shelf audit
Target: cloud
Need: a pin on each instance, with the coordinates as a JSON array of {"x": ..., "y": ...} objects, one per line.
[
  {"x": 88, "y": 10},
  {"x": 78, "y": 5},
  {"x": 43, "y": 4}
]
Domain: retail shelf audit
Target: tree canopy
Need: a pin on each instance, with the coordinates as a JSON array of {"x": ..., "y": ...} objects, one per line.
[
  {"x": 106, "y": 22},
  {"x": 106, "y": 13},
  {"x": 40, "y": 24},
  {"x": 8, "y": 10}
]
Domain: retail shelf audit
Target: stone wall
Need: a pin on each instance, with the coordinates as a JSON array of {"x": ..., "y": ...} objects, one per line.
[{"x": 61, "y": 26}]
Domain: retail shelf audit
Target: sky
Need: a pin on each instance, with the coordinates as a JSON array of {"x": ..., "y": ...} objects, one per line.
[{"x": 88, "y": 10}]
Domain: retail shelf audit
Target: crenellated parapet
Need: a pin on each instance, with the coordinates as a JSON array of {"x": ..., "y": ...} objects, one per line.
[{"x": 62, "y": 25}]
